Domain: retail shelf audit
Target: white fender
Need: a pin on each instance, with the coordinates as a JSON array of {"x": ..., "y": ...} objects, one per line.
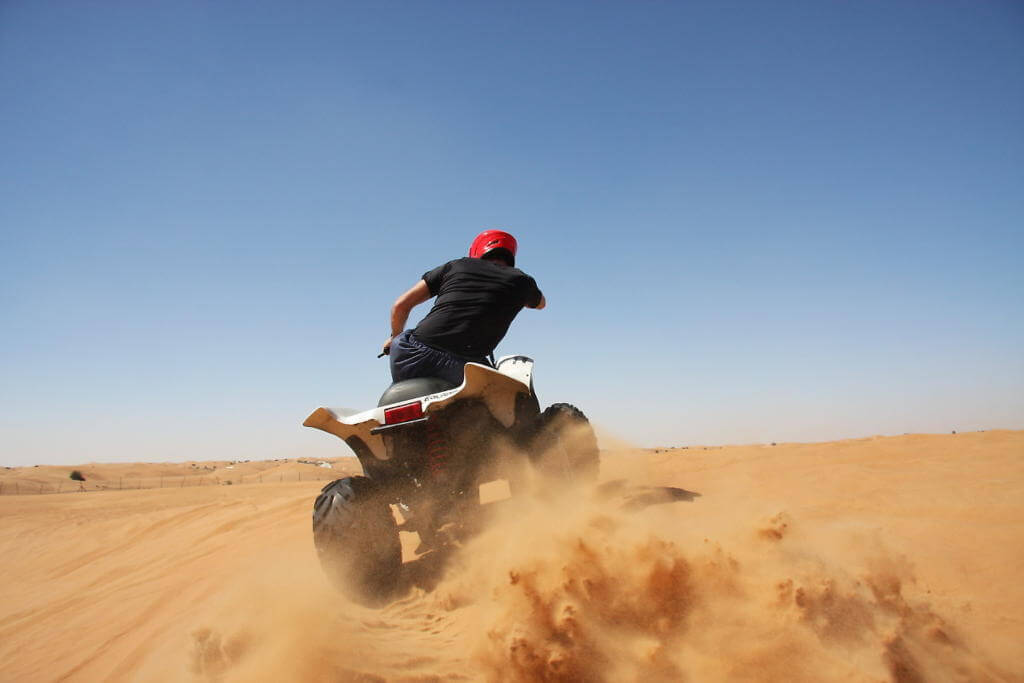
[{"x": 497, "y": 388}]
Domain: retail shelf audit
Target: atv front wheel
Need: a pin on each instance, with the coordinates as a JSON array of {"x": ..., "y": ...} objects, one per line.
[
  {"x": 357, "y": 539},
  {"x": 565, "y": 447}
]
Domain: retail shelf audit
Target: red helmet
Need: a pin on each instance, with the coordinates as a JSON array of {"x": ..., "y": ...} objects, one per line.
[{"x": 489, "y": 240}]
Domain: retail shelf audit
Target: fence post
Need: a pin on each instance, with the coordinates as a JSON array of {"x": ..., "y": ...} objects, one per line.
[{"x": 120, "y": 482}]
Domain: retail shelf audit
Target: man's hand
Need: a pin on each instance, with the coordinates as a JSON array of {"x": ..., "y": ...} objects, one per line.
[{"x": 386, "y": 349}]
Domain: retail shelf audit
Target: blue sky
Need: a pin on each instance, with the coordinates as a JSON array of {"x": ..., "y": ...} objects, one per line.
[{"x": 752, "y": 221}]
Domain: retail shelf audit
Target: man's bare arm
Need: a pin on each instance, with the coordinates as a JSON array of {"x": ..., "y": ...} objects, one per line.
[{"x": 403, "y": 305}]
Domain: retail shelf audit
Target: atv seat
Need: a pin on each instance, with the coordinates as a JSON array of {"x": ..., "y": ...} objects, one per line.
[{"x": 408, "y": 389}]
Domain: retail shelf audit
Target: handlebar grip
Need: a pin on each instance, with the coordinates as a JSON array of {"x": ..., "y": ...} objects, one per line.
[{"x": 382, "y": 354}]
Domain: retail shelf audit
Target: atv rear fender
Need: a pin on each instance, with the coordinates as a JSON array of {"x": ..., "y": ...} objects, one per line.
[{"x": 496, "y": 387}]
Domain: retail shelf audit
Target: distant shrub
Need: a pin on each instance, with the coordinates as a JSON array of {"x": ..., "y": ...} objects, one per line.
[{"x": 76, "y": 475}]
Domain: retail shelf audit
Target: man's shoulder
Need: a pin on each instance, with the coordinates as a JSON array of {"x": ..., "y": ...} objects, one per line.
[
  {"x": 521, "y": 274},
  {"x": 457, "y": 264}
]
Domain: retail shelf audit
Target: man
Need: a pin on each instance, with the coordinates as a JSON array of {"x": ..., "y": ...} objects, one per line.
[{"x": 477, "y": 299}]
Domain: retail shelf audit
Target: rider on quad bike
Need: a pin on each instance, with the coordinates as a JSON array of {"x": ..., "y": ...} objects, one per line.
[
  {"x": 477, "y": 299},
  {"x": 451, "y": 420}
]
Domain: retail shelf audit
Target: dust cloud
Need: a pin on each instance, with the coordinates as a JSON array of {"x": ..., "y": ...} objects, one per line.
[{"x": 581, "y": 591}]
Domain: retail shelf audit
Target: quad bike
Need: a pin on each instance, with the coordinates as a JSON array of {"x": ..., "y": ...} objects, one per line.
[{"x": 425, "y": 449}]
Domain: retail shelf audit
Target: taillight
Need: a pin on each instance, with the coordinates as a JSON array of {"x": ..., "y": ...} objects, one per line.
[{"x": 410, "y": 411}]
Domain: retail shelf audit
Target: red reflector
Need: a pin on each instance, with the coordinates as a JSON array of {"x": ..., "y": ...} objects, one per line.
[{"x": 410, "y": 411}]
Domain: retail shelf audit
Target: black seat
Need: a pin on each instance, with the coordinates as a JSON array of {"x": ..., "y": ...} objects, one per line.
[{"x": 408, "y": 389}]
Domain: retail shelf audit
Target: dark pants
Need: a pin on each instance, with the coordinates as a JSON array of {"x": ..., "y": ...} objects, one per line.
[{"x": 412, "y": 358}]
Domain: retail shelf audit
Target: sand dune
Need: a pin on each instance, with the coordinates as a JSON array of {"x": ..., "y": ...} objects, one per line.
[
  {"x": 863, "y": 560},
  {"x": 49, "y": 479}
]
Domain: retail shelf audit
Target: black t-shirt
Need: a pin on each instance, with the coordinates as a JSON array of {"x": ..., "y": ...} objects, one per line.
[{"x": 477, "y": 300}]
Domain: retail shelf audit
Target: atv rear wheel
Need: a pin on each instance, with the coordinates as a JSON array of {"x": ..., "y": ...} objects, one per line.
[
  {"x": 565, "y": 447},
  {"x": 357, "y": 540}
]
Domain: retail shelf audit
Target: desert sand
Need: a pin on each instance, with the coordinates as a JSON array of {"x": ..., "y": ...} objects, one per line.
[{"x": 888, "y": 558}]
